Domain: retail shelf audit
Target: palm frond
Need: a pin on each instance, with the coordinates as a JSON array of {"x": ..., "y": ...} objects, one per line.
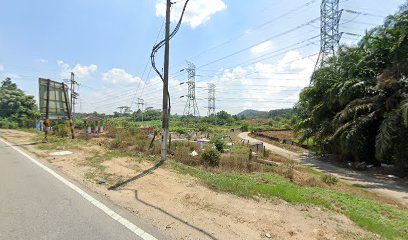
[{"x": 386, "y": 133}]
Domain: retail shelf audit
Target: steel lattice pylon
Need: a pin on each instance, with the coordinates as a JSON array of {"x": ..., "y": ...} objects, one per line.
[
  {"x": 211, "y": 99},
  {"x": 329, "y": 31},
  {"x": 191, "y": 108}
]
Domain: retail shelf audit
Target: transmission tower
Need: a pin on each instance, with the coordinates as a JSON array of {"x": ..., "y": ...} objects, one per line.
[
  {"x": 329, "y": 31},
  {"x": 140, "y": 102},
  {"x": 211, "y": 99},
  {"x": 191, "y": 107}
]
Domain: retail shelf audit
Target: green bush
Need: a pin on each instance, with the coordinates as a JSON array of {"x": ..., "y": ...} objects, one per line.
[
  {"x": 245, "y": 127},
  {"x": 7, "y": 124},
  {"x": 218, "y": 142},
  {"x": 61, "y": 130},
  {"x": 329, "y": 179},
  {"x": 211, "y": 157}
]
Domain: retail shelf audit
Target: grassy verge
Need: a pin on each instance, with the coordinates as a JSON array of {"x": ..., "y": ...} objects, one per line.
[{"x": 382, "y": 219}]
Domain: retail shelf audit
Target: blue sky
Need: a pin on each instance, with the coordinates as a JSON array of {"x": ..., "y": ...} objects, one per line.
[{"x": 261, "y": 64}]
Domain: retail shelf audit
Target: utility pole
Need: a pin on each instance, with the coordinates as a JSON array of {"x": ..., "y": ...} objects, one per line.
[
  {"x": 74, "y": 94},
  {"x": 211, "y": 99},
  {"x": 166, "y": 110},
  {"x": 329, "y": 31},
  {"x": 191, "y": 107},
  {"x": 140, "y": 102}
]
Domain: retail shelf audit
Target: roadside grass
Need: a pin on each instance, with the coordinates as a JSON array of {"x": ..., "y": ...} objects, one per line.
[
  {"x": 385, "y": 220},
  {"x": 97, "y": 171},
  {"x": 57, "y": 143}
]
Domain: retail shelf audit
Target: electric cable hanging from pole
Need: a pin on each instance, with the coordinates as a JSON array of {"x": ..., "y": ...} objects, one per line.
[{"x": 165, "y": 76}]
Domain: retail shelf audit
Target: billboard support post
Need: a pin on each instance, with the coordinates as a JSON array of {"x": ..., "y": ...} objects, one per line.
[
  {"x": 47, "y": 111},
  {"x": 71, "y": 125}
]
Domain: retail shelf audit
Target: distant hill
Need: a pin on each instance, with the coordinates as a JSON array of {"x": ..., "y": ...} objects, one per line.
[{"x": 250, "y": 113}]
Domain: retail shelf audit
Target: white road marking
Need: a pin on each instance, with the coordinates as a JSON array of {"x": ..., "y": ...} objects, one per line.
[{"x": 132, "y": 227}]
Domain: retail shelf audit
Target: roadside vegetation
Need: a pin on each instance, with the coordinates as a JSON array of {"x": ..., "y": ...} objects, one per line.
[
  {"x": 229, "y": 169},
  {"x": 17, "y": 110},
  {"x": 357, "y": 105},
  {"x": 385, "y": 220}
]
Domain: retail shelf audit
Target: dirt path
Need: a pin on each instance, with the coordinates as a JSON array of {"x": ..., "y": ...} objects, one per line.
[
  {"x": 182, "y": 208},
  {"x": 280, "y": 151},
  {"x": 385, "y": 185}
]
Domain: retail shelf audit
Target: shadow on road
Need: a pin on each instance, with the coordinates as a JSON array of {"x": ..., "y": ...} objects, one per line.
[
  {"x": 140, "y": 175},
  {"x": 169, "y": 214}
]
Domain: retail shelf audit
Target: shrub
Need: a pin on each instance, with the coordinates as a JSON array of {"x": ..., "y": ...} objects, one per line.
[
  {"x": 218, "y": 142},
  {"x": 211, "y": 157},
  {"x": 245, "y": 127},
  {"x": 61, "y": 130},
  {"x": 287, "y": 170},
  {"x": 8, "y": 124},
  {"x": 115, "y": 144},
  {"x": 203, "y": 128},
  {"x": 183, "y": 154},
  {"x": 329, "y": 179}
]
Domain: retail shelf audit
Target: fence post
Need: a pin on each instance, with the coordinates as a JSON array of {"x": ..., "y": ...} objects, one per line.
[{"x": 154, "y": 136}]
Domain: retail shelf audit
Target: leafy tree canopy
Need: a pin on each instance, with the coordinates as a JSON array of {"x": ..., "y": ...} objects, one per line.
[
  {"x": 357, "y": 104},
  {"x": 16, "y": 108}
]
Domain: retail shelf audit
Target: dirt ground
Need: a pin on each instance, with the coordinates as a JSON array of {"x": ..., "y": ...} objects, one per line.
[{"x": 182, "y": 208}]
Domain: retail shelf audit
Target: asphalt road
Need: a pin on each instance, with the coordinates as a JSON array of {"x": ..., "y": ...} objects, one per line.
[{"x": 34, "y": 204}]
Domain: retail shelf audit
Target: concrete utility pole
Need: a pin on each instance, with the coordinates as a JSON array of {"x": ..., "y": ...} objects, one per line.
[
  {"x": 191, "y": 107},
  {"x": 140, "y": 102},
  {"x": 166, "y": 110},
  {"x": 74, "y": 94},
  {"x": 329, "y": 31},
  {"x": 211, "y": 99}
]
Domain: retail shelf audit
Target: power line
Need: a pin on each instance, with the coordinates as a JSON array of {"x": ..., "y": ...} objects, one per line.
[
  {"x": 263, "y": 41},
  {"x": 260, "y": 26}
]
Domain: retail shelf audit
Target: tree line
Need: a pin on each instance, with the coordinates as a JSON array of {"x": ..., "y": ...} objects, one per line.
[{"x": 357, "y": 104}]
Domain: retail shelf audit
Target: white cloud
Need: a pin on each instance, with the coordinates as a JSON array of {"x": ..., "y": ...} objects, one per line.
[
  {"x": 264, "y": 85},
  {"x": 117, "y": 75},
  {"x": 1, "y": 68},
  {"x": 197, "y": 12},
  {"x": 80, "y": 71},
  {"x": 261, "y": 48},
  {"x": 41, "y": 60},
  {"x": 112, "y": 95}
]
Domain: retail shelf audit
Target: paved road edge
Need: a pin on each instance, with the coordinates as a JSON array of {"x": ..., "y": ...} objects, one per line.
[{"x": 123, "y": 221}]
